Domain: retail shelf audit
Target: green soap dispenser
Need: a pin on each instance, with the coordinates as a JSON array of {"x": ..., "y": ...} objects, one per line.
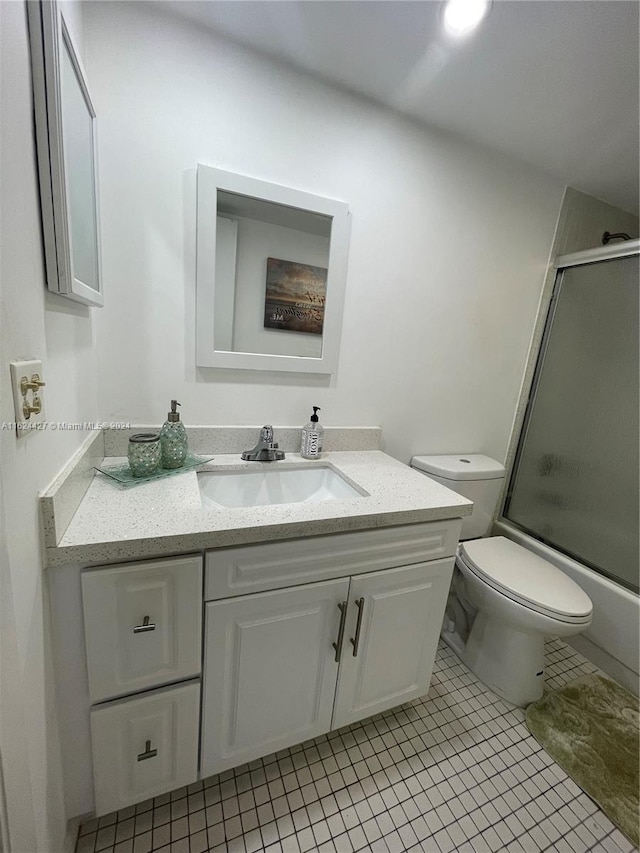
[
  {"x": 312, "y": 437},
  {"x": 173, "y": 439}
]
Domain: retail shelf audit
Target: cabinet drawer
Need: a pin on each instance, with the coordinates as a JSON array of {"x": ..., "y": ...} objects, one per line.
[
  {"x": 273, "y": 565},
  {"x": 145, "y": 745},
  {"x": 142, "y": 625}
]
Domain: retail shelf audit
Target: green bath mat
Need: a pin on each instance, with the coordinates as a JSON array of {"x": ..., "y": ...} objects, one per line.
[{"x": 590, "y": 728}]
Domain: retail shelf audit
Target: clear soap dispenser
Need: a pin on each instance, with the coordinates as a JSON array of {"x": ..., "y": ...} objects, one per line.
[
  {"x": 312, "y": 437},
  {"x": 173, "y": 439}
]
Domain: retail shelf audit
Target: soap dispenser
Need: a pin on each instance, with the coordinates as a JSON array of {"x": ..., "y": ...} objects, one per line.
[
  {"x": 173, "y": 439},
  {"x": 312, "y": 437}
]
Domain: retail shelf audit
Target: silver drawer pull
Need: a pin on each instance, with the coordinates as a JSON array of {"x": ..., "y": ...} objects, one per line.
[
  {"x": 146, "y": 626},
  {"x": 342, "y": 607},
  {"x": 355, "y": 643},
  {"x": 148, "y": 752}
]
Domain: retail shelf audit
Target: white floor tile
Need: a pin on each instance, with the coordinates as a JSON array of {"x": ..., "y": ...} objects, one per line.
[{"x": 453, "y": 772}]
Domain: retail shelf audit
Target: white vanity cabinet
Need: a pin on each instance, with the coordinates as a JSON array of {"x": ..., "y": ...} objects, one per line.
[
  {"x": 289, "y": 663},
  {"x": 302, "y": 636},
  {"x": 231, "y": 634},
  {"x": 142, "y": 626}
]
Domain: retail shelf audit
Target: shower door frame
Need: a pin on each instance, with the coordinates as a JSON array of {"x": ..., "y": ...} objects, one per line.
[{"x": 562, "y": 262}]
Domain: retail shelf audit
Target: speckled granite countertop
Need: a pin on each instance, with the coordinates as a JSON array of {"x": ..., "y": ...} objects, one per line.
[{"x": 166, "y": 517}]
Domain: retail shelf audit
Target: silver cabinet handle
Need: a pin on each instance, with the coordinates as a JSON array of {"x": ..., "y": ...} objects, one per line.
[
  {"x": 342, "y": 607},
  {"x": 146, "y": 626},
  {"x": 148, "y": 752},
  {"x": 355, "y": 642}
]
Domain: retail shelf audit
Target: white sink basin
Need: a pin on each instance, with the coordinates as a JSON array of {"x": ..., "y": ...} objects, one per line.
[{"x": 274, "y": 486}]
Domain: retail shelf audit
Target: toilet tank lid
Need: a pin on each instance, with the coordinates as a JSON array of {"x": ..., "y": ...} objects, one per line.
[{"x": 462, "y": 466}]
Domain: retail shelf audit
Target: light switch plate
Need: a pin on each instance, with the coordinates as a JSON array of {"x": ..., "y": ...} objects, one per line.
[{"x": 20, "y": 370}]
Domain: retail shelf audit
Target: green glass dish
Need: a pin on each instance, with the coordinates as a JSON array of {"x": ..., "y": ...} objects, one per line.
[{"x": 122, "y": 473}]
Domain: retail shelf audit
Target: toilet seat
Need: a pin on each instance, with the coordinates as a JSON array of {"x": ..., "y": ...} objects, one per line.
[{"x": 526, "y": 578}]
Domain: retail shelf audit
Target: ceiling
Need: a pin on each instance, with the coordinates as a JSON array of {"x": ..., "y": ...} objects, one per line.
[{"x": 553, "y": 84}]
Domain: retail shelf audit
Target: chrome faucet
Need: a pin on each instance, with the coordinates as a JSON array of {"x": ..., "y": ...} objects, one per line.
[{"x": 266, "y": 450}]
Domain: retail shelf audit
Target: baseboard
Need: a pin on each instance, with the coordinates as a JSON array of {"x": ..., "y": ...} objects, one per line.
[
  {"x": 606, "y": 662},
  {"x": 71, "y": 837}
]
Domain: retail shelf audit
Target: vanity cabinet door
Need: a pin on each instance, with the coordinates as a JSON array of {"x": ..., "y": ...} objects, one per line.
[
  {"x": 142, "y": 624},
  {"x": 270, "y": 671},
  {"x": 145, "y": 745},
  {"x": 392, "y": 632}
]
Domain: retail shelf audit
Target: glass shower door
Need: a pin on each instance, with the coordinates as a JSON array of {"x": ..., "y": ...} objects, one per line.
[{"x": 575, "y": 481}]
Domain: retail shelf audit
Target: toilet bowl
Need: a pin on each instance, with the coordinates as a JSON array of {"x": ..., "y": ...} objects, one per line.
[
  {"x": 504, "y": 600},
  {"x": 519, "y": 599}
]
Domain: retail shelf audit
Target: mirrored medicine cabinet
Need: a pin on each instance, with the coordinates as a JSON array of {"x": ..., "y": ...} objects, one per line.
[
  {"x": 67, "y": 157},
  {"x": 271, "y": 270}
]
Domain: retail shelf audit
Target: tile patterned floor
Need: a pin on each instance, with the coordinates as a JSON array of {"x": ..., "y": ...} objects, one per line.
[{"x": 456, "y": 770}]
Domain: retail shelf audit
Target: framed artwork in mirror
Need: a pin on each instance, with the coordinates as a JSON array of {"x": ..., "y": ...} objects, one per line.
[
  {"x": 271, "y": 264},
  {"x": 67, "y": 157},
  {"x": 295, "y": 296}
]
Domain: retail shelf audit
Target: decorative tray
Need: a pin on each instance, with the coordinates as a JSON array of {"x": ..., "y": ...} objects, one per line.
[{"x": 122, "y": 473}]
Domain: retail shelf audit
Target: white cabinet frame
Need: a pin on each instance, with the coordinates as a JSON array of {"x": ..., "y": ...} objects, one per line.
[{"x": 49, "y": 38}]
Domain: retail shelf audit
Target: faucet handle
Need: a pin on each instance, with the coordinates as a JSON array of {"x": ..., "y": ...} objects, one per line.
[{"x": 266, "y": 433}]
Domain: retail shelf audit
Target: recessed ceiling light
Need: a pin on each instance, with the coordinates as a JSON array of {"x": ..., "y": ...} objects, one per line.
[{"x": 463, "y": 16}]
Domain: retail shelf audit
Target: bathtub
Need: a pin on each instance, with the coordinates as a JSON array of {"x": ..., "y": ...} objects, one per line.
[{"x": 612, "y": 641}]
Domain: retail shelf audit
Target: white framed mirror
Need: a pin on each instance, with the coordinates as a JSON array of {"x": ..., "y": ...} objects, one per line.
[
  {"x": 271, "y": 270},
  {"x": 67, "y": 157}
]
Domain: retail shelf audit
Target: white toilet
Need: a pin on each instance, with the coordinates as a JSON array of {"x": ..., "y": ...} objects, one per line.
[{"x": 504, "y": 599}]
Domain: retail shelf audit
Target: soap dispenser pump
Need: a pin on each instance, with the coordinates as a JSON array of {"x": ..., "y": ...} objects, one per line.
[
  {"x": 173, "y": 439},
  {"x": 312, "y": 437}
]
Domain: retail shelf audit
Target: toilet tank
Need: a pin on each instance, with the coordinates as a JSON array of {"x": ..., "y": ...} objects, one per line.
[{"x": 472, "y": 475}]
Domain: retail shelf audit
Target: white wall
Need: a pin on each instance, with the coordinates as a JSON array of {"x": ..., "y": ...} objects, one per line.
[
  {"x": 449, "y": 242},
  {"x": 36, "y": 324}
]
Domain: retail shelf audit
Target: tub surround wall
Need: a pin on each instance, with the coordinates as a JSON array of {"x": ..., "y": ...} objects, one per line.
[
  {"x": 584, "y": 219},
  {"x": 612, "y": 639},
  {"x": 449, "y": 241}
]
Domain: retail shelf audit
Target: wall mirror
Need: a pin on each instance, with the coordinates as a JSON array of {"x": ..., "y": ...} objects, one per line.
[
  {"x": 271, "y": 270},
  {"x": 67, "y": 162}
]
